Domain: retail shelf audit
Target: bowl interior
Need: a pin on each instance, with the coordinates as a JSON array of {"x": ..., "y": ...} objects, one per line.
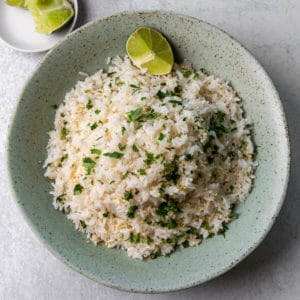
[{"x": 86, "y": 50}]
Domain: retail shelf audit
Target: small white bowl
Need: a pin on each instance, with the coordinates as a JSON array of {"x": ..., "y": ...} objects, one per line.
[{"x": 17, "y": 29}]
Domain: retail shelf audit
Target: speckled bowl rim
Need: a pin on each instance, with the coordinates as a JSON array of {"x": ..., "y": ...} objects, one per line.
[{"x": 212, "y": 275}]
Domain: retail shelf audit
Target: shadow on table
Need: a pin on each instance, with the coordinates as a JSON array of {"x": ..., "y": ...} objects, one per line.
[{"x": 82, "y": 14}]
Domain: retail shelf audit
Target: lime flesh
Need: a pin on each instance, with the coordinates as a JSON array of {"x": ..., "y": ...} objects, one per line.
[
  {"x": 17, "y": 3},
  {"x": 148, "y": 48},
  {"x": 50, "y": 15}
]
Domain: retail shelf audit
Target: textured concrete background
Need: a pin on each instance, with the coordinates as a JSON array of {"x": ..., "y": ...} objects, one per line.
[{"x": 268, "y": 28}]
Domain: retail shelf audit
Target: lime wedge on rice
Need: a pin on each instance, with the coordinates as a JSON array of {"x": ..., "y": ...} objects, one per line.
[
  {"x": 148, "y": 48},
  {"x": 17, "y": 3},
  {"x": 50, "y": 15}
]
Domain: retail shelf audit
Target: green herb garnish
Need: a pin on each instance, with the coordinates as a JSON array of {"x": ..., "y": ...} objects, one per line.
[
  {"x": 161, "y": 136},
  {"x": 123, "y": 129},
  {"x": 89, "y": 164},
  {"x": 134, "y": 148},
  {"x": 121, "y": 147},
  {"x": 134, "y": 115},
  {"x": 105, "y": 215},
  {"x": 94, "y": 126},
  {"x": 149, "y": 240},
  {"x": 63, "y": 133},
  {"x": 165, "y": 207},
  {"x": 113, "y": 154},
  {"x": 188, "y": 157},
  {"x": 171, "y": 224},
  {"x": 82, "y": 223},
  {"x": 89, "y": 104},
  {"x": 135, "y": 238},
  {"x": 149, "y": 158},
  {"x": 96, "y": 151},
  {"x": 64, "y": 157},
  {"x": 97, "y": 111},
  {"x": 128, "y": 195},
  {"x": 171, "y": 171},
  {"x": 176, "y": 102},
  {"x": 186, "y": 74},
  {"x": 142, "y": 171},
  {"x": 77, "y": 189},
  {"x": 131, "y": 211}
]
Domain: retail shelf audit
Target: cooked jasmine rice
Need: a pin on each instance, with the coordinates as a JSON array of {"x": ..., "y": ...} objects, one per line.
[{"x": 150, "y": 163}]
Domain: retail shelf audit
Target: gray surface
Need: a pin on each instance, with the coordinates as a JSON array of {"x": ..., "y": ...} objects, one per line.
[{"x": 268, "y": 30}]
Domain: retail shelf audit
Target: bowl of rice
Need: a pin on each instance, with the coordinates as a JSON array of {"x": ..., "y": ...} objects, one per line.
[{"x": 149, "y": 183}]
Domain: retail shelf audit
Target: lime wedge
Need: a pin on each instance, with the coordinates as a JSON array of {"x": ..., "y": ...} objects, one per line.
[
  {"x": 50, "y": 15},
  {"x": 148, "y": 48},
  {"x": 17, "y": 3}
]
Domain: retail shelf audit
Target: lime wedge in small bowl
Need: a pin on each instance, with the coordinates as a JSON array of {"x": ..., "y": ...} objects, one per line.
[{"x": 50, "y": 15}]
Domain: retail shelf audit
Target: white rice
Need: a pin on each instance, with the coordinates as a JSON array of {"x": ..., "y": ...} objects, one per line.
[{"x": 200, "y": 158}]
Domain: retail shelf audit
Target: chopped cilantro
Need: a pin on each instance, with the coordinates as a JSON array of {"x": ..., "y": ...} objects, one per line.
[
  {"x": 123, "y": 129},
  {"x": 134, "y": 115},
  {"x": 143, "y": 98},
  {"x": 161, "y": 136},
  {"x": 150, "y": 158},
  {"x": 220, "y": 116},
  {"x": 131, "y": 211},
  {"x": 64, "y": 157},
  {"x": 89, "y": 164},
  {"x": 196, "y": 76},
  {"x": 178, "y": 90},
  {"x": 125, "y": 175},
  {"x": 176, "y": 102},
  {"x": 171, "y": 171},
  {"x": 165, "y": 207},
  {"x": 63, "y": 133},
  {"x": 135, "y": 87},
  {"x": 122, "y": 147},
  {"x": 134, "y": 148},
  {"x": 77, "y": 189},
  {"x": 105, "y": 215},
  {"x": 94, "y": 126},
  {"x": 96, "y": 151},
  {"x": 128, "y": 195},
  {"x": 82, "y": 223},
  {"x": 149, "y": 240},
  {"x": 142, "y": 171},
  {"x": 151, "y": 114},
  {"x": 155, "y": 254},
  {"x": 89, "y": 104},
  {"x": 188, "y": 157},
  {"x": 193, "y": 231},
  {"x": 97, "y": 111},
  {"x": 111, "y": 74},
  {"x": 205, "y": 225},
  {"x": 113, "y": 154},
  {"x": 135, "y": 238},
  {"x": 186, "y": 74},
  {"x": 161, "y": 190},
  {"x": 171, "y": 224}
]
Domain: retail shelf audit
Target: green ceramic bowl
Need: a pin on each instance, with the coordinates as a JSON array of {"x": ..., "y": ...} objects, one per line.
[{"x": 86, "y": 50}]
